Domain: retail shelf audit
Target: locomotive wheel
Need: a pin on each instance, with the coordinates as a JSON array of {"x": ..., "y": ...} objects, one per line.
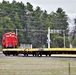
[
  {"x": 6, "y": 53},
  {"x": 14, "y": 53}
]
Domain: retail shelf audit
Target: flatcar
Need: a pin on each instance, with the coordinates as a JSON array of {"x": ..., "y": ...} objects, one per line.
[{"x": 9, "y": 40}]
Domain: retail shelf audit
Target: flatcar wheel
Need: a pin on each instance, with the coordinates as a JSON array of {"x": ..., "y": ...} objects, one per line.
[
  {"x": 37, "y": 54},
  {"x": 25, "y": 54},
  {"x": 46, "y": 55},
  {"x": 40, "y": 54},
  {"x": 16, "y": 54},
  {"x": 33, "y": 54},
  {"x": 13, "y": 54},
  {"x": 49, "y": 55}
]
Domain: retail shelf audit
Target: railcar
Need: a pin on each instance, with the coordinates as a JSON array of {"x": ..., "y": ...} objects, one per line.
[{"x": 10, "y": 43}]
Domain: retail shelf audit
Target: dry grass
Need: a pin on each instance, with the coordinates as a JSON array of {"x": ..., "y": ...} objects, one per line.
[{"x": 35, "y": 66}]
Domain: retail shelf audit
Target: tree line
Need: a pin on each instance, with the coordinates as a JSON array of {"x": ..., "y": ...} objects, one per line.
[{"x": 31, "y": 24}]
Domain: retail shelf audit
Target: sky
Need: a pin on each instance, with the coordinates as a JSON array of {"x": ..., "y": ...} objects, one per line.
[{"x": 69, "y": 6}]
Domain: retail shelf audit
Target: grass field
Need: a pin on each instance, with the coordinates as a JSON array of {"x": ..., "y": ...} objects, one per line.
[{"x": 36, "y": 66}]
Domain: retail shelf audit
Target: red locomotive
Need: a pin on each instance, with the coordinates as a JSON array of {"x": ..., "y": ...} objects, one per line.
[{"x": 9, "y": 40}]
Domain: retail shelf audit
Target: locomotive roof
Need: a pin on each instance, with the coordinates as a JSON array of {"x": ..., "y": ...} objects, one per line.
[{"x": 9, "y": 33}]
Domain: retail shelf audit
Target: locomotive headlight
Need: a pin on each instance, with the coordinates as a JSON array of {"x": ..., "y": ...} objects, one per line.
[{"x": 10, "y": 34}]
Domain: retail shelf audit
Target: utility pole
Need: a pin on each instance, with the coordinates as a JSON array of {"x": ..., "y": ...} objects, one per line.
[
  {"x": 16, "y": 31},
  {"x": 48, "y": 35},
  {"x": 64, "y": 37},
  {"x": 55, "y": 31}
]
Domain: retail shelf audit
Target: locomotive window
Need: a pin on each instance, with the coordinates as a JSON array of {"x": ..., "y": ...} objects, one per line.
[
  {"x": 4, "y": 37},
  {"x": 15, "y": 37},
  {"x": 7, "y": 35}
]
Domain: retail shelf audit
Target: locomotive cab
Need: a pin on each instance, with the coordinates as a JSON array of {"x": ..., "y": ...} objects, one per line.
[{"x": 9, "y": 40}]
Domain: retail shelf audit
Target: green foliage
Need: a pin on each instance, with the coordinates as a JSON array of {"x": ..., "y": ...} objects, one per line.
[
  {"x": 58, "y": 41},
  {"x": 24, "y": 18},
  {"x": 29, "y": 7},
  {"x": 74, "y": 42},
  {"x": 59, "y": 19},
  {"x": 73, "y": 39}
]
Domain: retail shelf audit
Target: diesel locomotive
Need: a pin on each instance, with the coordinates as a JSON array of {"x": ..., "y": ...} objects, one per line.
[{"x": 9, "y": 40}]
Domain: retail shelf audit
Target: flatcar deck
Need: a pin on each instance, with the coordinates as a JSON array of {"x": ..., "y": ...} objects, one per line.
[{"x": 39, "y": 51}]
